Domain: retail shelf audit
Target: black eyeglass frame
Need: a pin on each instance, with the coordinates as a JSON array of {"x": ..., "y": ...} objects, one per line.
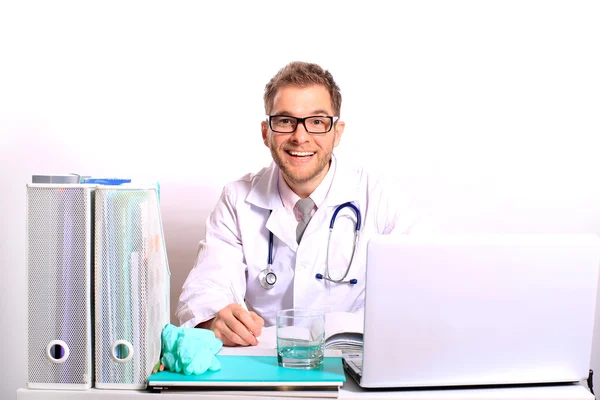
[{"x": 301, "y": 121}]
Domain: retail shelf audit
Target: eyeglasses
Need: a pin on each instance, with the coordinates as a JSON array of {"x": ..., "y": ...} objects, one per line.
[{"x": 313, "y": 124}]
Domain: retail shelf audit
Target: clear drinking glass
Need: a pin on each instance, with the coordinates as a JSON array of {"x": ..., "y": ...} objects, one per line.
[{"x": 300, "y": 338}]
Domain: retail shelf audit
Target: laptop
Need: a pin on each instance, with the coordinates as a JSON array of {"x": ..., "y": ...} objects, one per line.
[{"x": 477, "y": 310}]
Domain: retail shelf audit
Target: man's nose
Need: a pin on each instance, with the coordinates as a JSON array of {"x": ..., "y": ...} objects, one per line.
[{"x": 300, "y": 134}]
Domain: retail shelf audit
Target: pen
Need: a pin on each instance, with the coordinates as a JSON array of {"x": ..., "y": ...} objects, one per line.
[
  {"x": 236, "y": 298},
  {"x": 239, "y": 301}
]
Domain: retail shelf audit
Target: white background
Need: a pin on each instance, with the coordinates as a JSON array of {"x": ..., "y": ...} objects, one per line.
[{"x": 487, "y": 111}]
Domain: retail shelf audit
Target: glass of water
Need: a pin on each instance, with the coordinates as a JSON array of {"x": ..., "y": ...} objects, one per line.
[{"x": 300, "y": 338}]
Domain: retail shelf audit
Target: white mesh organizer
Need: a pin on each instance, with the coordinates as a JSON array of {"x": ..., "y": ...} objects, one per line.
[
  {"x": 131, "y": 285},
  {"x": 59, "y": 257}
]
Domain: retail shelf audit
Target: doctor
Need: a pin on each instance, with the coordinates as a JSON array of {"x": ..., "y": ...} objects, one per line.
[{"x": 257, "y": 220}]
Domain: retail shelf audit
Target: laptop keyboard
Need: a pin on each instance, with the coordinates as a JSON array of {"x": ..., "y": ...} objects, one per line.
[
  {"x": 354, "y": 362},
  {"x": 357, "y": 363}
]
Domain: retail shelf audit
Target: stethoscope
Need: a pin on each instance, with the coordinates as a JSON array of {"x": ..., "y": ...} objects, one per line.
[{"x": 268, "y": 278}]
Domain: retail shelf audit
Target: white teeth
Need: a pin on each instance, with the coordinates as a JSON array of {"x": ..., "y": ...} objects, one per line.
[{"x": 301, "y": 153}]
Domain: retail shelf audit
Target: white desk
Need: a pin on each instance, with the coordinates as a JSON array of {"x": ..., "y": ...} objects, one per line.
[{"x": 349, "y": 391}]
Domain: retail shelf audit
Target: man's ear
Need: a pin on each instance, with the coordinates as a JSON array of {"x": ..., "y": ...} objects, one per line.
[
  {"x": 338, "y": 132},
  {"x": 265, "y": 132}
]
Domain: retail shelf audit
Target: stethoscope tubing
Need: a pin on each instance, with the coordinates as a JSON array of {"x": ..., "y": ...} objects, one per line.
[
  {"x": 340, "y": 208},
  {"x": 270, "y": 260},
  {"x": 268, "y": 278}
]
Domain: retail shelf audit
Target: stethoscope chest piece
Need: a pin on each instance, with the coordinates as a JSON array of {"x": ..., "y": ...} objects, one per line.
[{"x": 267, "y": 278}]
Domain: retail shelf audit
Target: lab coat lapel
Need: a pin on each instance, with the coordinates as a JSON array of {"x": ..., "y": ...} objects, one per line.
[
  {"x": 277, "y": 224},
  {"x": 265, "y": 194}
]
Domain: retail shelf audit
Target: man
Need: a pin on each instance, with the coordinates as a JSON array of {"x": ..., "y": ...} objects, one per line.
[{"x": 301, "y": 129}]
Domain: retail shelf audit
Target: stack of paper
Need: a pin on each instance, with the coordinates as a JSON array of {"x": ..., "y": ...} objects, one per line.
[{"x": 344, "y": 331}]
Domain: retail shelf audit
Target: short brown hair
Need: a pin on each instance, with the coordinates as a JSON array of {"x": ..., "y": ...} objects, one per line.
[{"x": 303, "y": 74}]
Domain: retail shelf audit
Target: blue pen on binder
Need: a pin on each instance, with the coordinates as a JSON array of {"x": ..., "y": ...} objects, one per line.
[{"x": 106, "y": 181}]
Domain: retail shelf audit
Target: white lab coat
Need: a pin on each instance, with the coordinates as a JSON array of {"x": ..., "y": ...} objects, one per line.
[{"x": 236, "y": 246}]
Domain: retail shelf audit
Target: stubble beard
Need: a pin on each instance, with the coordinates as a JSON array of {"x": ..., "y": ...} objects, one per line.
[{"x": 290, "y": 174}]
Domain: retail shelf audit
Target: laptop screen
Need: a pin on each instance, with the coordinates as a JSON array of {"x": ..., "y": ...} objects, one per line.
[{"x": 457, "y": 310}]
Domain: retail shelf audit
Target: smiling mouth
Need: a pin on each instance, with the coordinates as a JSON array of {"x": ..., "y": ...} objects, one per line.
[{"x": 300, "y": 153}]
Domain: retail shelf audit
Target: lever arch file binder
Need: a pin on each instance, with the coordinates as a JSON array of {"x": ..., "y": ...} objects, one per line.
[
  {"x": 59, "y": 231},
  {"x": 131, "y": 286}
]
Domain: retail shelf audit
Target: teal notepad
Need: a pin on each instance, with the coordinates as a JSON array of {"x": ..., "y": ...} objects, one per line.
[{"x": 256, "y": 371}]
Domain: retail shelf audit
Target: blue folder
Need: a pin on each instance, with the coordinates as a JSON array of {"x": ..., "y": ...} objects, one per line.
[{"x": 249, "y": 371}]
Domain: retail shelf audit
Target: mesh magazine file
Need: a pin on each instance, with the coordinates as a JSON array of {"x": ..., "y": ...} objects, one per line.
[
  {"x": 59, "y": 257},
  {"x": 131, "y": 300}
]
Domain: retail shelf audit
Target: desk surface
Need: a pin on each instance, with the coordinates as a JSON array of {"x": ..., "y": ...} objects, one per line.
[{"x": 349, "y": 391}]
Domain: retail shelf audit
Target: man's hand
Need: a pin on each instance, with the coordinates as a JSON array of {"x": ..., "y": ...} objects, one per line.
[{"x": 235, "y": 326}]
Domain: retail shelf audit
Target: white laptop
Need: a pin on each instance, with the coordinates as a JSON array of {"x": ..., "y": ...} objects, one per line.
[{"x": 475, "y": 310}]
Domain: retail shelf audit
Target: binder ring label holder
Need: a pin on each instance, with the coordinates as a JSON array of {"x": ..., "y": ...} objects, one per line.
[
  {"x": 57, "y": 351},
  {"x": 121, "y": 351}
]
